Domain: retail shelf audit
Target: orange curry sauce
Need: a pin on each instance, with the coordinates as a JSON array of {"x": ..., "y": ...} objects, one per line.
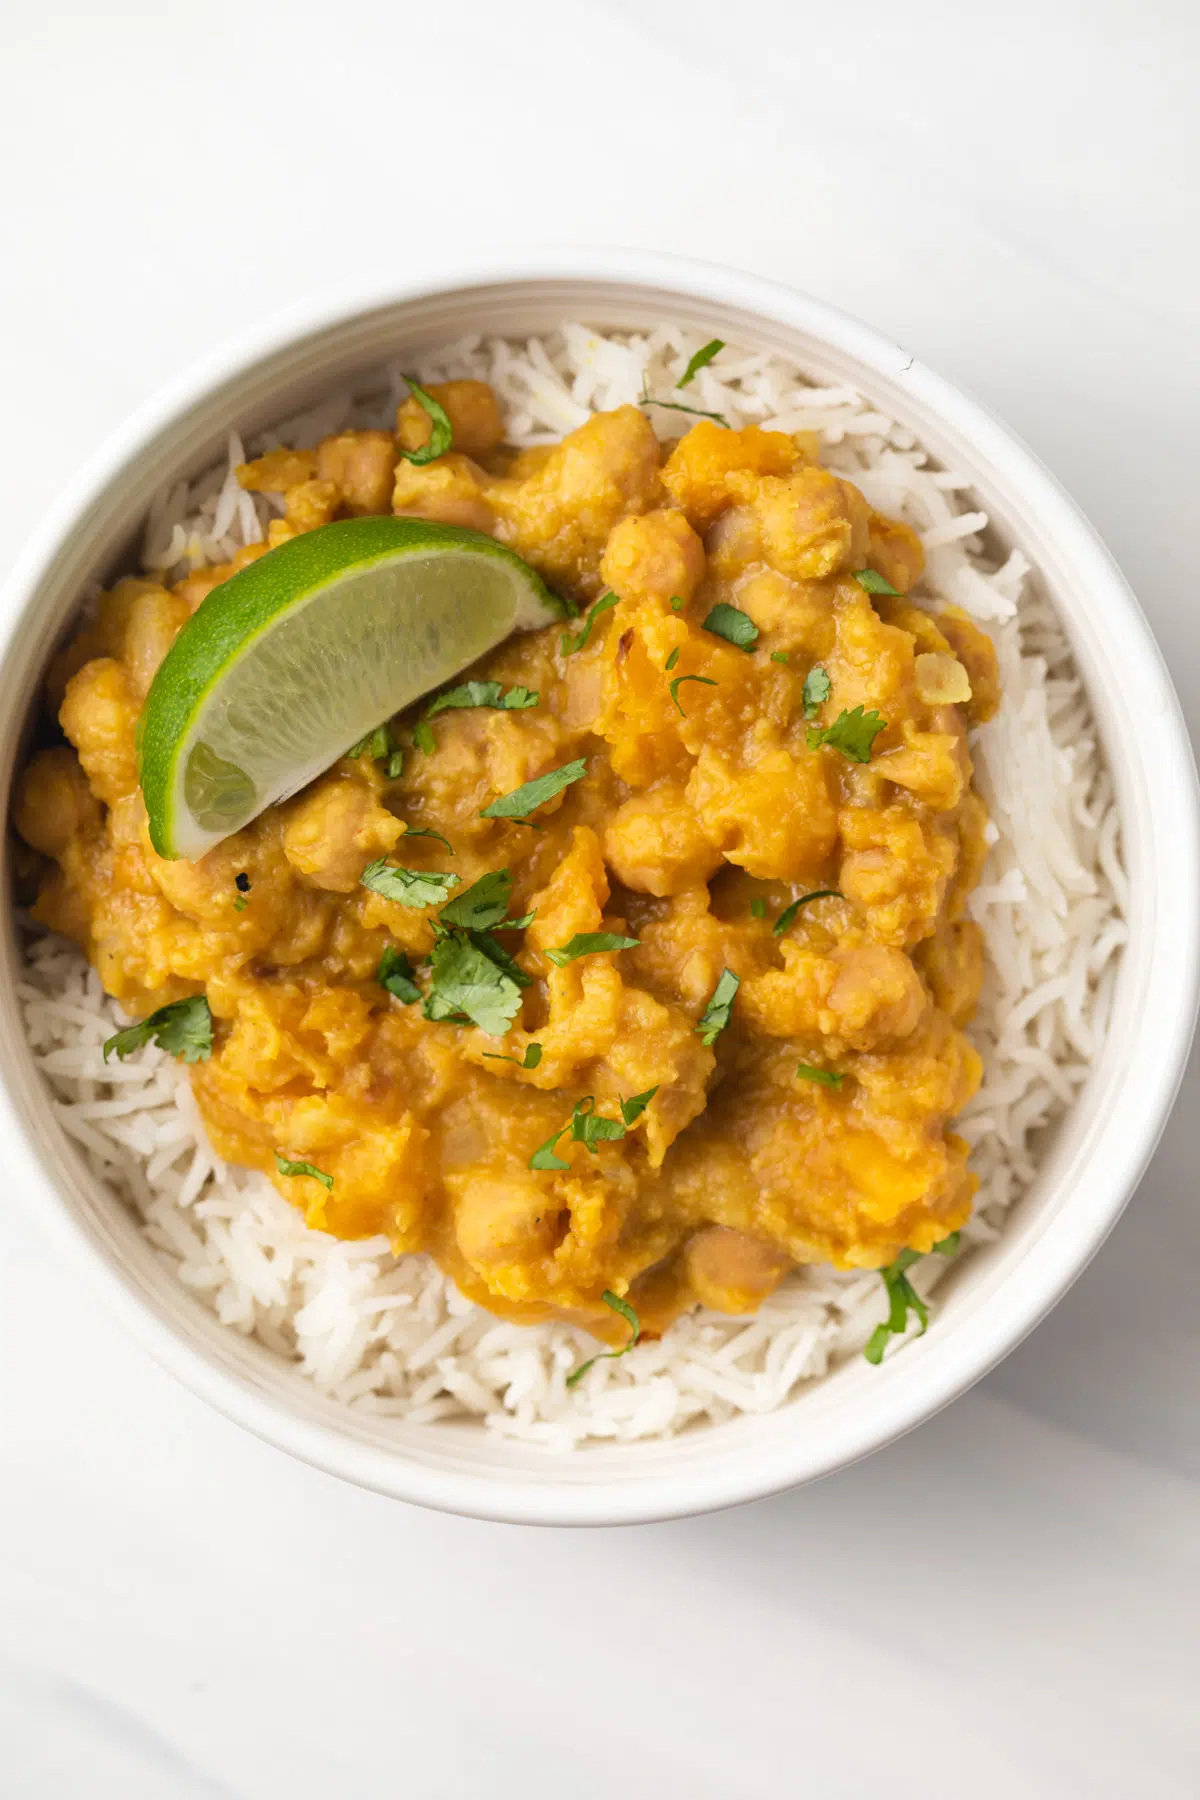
[{"x": 693, "y": 809}]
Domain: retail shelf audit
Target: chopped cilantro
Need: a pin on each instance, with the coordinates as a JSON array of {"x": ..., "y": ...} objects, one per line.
[
  {"x": 675, "y": 603},
  {"x": 902, "y": 1298},
  {"x": 376, "y": 744},
  {"x": 527, "y": 799},
  {"x": 732, "y": 624},
  {"x": 240, "y": 903},
  {"x": 415, "y": 831},
  {"x": 789, "y": 912},
  {"x": 483, "y": 693},
  {"x": 704, "y": 680},
  {"x": 716, "y": 1014},
  {"x": 590, "y": 943},
  {"x": 779, "y": 656},
  {"x": 411, "y": 887},
  {"x": 701, "y": 359},
  {"x": 381, "y": 746},
  {"x": 589, "y": 1128},
  {"x": 634, "y": 1108},
  {"x": 568, "y": 644},
  {"x": 397, "y": 975},
  {"x": 531, "y": 1059},
  {"x": 853, "y": 733},
  {"x": 873, "y": 583},
  {"x": 645, "y": 398},
  {"x": 181, "y": 1028},
  {"x": 495, "y": 952},
  {"x": 627, "y": 1313},
  {"x": 823, "y": 1077},
  {"x": 758, "y": 907},
  {"x": 287, "y": 1167},
  {"x": 483, "y": 905},
  {"x": 466, "y": 982},
  {"x": 817, "y": 687},
  {"x": 442, "y": 435},
  {"x": 672, "y": 659},
  {"x": 544, "y": 1157},
  {"x": 423, "y": 738}
]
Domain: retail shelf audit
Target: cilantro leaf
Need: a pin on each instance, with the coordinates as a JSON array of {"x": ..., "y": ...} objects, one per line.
[
  {"x": 873, "y": 583},
  {"x": 569, "y": 644},
  {"x": 824, "y": 1077},
  {"x": 716, "y": 1014},
  {"x": 817, "y": 687},
  {"x": 415, "y": 831},
  {"x": 423, "y": 738},
  {"x": 531, "y": 1059},
  {"x": 483, "y": 693},
  {"x": 465, "y": 980},
  {"x": 590, "y": 943},
  {"x": 544, "y": 1157},
  {"x": 701, "y": 359},
  {"x": 948, "y": 1245},
  {"x": 634, "y": 1108},
  {"x": 789, "y": 912},
  {"x": 286, "y": 1167},
  {"x": 779, "y": 656},
  {"x": 758, "y": 908},
  {"x": 853, "y": 733},
  {"x": 627, "y": 1313},
  {"x": 381, "y": 746},
  {"x": 589, "y": 1128},
  {"x": 902, "y": 1298},
  {"x": 442, "y": 435},
  {"x": 483, "y": 904},
  {"x": 675, "y": 603},
  {"x": 181, "y": 1028},
  {"x": 495, "y": 952},
  {"x": 527, "y": 799},
  {"x": 397, "y": 975},
  {"x": 645, "y": 398},
  {"x": 411, "y": 887},
  {"x": 732, "y": 624},
  {"x": 704, "y": 680},
  {"x": 376, "y": 744}
]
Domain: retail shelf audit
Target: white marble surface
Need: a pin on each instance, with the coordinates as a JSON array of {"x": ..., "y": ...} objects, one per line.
[{"x": 1003, "y": 1604}]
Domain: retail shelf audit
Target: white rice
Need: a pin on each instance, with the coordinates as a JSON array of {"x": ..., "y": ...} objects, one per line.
[{"x": 393, "y": 1336}]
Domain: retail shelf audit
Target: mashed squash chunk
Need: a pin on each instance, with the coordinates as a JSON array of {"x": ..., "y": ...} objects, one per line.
[{"x": 777, "y": 809}]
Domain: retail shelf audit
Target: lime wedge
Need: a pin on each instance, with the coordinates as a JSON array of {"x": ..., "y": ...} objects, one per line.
[{"x": 300, "y": 655}]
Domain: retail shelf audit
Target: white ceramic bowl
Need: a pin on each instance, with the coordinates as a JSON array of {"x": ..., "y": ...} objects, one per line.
[{"x": 1097, "y": 1155}]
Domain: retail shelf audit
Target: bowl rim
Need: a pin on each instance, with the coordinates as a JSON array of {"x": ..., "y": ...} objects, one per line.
[{"x": 1156, "y": 1067}]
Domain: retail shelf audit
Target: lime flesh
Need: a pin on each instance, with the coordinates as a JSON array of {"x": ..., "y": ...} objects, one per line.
[{"x": 305, "y": 651}]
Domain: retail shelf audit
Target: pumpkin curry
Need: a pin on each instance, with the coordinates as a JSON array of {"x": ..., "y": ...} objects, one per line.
[{"x": 725, "y": 941}]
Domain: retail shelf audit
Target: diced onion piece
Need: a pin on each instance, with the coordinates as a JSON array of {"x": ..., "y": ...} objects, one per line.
[{"x": 942, "y": 680}]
